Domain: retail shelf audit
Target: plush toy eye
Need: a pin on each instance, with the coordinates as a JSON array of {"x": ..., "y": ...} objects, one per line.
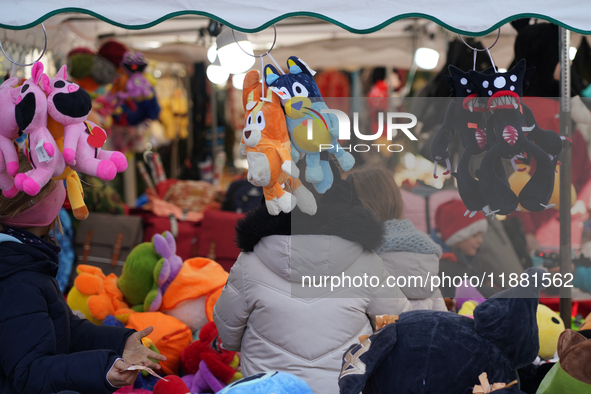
[
  {"x": 139, "y": 58},
  {"x": 25, "y": 88},
  {"x": 299, "y": 90},
  {"x": 59, "y": 84},
  {"x": 260, "y": 119},
  {"x": 286, "y": 96},
  {"x": 249, "y": 120}
]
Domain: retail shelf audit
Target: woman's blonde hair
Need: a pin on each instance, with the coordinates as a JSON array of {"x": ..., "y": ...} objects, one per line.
[
  {"x": 10, "y": 207},
  {"x": 377, "y": 191}
]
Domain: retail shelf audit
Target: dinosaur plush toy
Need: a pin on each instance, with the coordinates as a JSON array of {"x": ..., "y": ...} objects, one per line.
[
  {"x": 70, "y": 106},
  {"x": 265, "y": 141},
  {"x": 9, "y": 131},
  {"x": 508, "y": 124},
  {"x": 137, "y": 278},
  {"x": 40, "y": 147},
  {"x": 428, "y": 352},
  {"x": 303, "y": 105}
]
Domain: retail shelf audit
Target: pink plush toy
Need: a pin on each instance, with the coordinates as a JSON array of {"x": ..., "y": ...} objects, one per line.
[
  {"x": 30, "y": 113},
  {"x": 8, "y": 133},
  {"x": 69, "y": 105}
]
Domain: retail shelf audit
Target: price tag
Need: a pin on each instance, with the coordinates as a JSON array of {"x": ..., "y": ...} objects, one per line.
[{"x": 42, "y": 155}]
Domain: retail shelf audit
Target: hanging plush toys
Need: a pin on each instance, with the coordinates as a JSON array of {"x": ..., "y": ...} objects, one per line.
[
  {"x": 265, "y": 142},
  {"x": 303, "y": 106},
  {"x": 28, "y": 109},
  {"x": 488, "y": 114},
  {"x": 465, "y": 114}
]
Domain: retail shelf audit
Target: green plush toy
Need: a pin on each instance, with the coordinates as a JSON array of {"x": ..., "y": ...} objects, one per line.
[
  {"x": 572, "y": 374},
  {"x": 148, "y": 270},
  {"x": 137, "y": 278}
]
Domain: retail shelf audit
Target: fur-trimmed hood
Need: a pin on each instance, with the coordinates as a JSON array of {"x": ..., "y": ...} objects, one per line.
[{"x": 348, "y": 221}]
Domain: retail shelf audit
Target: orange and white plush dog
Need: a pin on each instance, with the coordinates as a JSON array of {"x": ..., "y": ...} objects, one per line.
[{"x": 265, "y": 141}]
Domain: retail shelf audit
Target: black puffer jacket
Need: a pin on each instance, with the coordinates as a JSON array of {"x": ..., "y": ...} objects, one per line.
[{"x": 44, "y": 348}]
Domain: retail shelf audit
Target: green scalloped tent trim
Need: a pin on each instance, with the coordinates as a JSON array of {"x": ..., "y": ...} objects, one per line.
[{"x": 292, "y": 14}]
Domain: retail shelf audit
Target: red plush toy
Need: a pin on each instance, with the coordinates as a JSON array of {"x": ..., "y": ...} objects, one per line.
[
  {"x": 221, "y": 363},
  {"x": 172, "y": 385}
]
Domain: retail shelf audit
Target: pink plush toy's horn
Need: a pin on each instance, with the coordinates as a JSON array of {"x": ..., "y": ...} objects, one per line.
[{"x": 37, "y": 72}]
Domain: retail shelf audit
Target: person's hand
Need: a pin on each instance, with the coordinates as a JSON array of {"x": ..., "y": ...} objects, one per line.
[
  {"x": 118, "y": 377},
  {"x": 531, "y": 243},
  {"x": 136, "y": 353}
]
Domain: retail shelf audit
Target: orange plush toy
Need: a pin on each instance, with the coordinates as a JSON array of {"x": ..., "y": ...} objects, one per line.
[
  {"x": 265, "y": 141},
  {"x": 170, "y": 336},
  {"x": 97, "y": 295},
  {"x": 190, "y": 297}
]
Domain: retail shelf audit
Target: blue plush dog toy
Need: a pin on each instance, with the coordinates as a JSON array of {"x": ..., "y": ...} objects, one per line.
[
  {"x": 303, "y": 105},
  {"x": 269, "y": 383}
]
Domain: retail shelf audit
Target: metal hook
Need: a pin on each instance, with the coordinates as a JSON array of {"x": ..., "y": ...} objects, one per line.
[
  {"x": 482, "y": 49},
  {"x": 476, "y": 50},
  {"x": 264, "y": 54},
  {"x": 30, "y": 64}
]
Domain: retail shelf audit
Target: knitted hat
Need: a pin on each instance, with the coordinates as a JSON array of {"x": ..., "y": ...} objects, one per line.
[{"x": 453, "y": 226}]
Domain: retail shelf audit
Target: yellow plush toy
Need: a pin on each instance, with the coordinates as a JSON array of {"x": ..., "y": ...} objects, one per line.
[
  {"x": 518, "y": 179},
  {"x": 174, "y": 115},
  {"x": 96, "y": 296},
  {"x": 550, "y": 326},
  {"x": 467, "y": 308}
]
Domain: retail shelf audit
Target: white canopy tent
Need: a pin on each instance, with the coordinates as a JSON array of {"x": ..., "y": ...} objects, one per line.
[
  {"x": 329, "y": 29},
  {"x": 461, "y": 16}
]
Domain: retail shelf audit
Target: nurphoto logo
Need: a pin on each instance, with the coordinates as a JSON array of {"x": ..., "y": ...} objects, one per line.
[{"x": 392, "y": 127}]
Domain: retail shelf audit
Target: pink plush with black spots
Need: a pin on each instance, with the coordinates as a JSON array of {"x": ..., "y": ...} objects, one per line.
[
  {"x": 30, "y": 106},
  {"x": 9, "y": 131},
  {"x": 70, "y": 106}
]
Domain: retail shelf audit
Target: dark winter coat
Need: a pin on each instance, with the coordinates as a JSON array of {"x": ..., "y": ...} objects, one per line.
[{"x": 44, "y": 348}]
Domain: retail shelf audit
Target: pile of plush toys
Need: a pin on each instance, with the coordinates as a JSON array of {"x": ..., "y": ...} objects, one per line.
[
  {"x": 487, "y": 113},
  {"x": 60, "y": 140},
  {"x": 286, "y": 121},
  {"x": 157, "y": 288},
  {"x": 491, "y": 346}
]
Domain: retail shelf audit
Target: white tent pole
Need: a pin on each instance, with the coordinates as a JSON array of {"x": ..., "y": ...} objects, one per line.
[{"x": 565, "y": 177}]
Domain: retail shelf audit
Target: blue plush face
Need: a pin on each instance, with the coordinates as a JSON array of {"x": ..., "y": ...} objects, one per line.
[{"x": 298, "y": 83}]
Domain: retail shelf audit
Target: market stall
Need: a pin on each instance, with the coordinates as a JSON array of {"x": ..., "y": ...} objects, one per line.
[{"x": 344, "y": 35}]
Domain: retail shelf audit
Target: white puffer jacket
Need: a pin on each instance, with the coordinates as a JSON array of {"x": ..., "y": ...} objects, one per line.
[
  {"x": 262, "y": 314},
  {"x": 412, "y": 265}
]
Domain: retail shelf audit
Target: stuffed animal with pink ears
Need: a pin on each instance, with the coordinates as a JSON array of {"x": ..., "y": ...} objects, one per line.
[
  {"x": 30, "y": 110},
  {"x": 69, "y": 105},
  {"x": 8, "y": 133}
]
